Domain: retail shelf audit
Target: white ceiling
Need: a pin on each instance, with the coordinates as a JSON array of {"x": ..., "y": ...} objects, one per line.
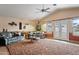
[{"x": 29, "y": 11}]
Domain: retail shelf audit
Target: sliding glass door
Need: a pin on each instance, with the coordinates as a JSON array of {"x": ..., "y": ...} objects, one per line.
[
  {"x": 75, "y": 25},
  {"x": 64, "y": 30},
  {"x": 57, "y": 29},
  {"x": 61, "y": 30}
]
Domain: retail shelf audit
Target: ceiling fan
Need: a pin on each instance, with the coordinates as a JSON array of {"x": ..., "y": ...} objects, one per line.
[{"x": 43, "y": 9}]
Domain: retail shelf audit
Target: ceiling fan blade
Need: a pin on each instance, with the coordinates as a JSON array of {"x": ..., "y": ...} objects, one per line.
[
  {"x": 47, "y": 8},
  {"x": 48, "y": 11}
]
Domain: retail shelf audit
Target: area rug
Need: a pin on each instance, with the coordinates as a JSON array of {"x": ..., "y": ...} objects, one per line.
[
  {"x": 43, "y": 47},
  {"x": 24, "y": 48}
]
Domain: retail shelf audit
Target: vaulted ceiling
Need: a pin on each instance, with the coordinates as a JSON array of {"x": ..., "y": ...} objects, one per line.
[{"x": 29, "y": 11}]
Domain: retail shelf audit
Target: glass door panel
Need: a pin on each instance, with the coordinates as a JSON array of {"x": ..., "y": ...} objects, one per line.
[
  {"x": 61, "y": 30},
  {"x": 49, "y": 26},
  {"x": 64, "y": 29},
  {"x": 57, "y": 30},
  {"x": 75, "y": 24}
]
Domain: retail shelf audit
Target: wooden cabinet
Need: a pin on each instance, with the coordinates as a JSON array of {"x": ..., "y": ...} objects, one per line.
[{"x": 49, "y": 35}]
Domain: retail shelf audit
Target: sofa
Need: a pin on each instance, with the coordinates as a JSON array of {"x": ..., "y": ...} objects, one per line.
[
  {"x": 11, "y": 37},
  {"x": 37, "y": 35}
]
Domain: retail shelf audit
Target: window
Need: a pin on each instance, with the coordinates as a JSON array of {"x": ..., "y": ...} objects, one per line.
[
  {"x": 49, "y": 26},
  {"x": 43, "y": 27},
  {"x": 75, "y": 24}
]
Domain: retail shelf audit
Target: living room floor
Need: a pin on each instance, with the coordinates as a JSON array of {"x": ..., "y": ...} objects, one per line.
[
  {"x": 3, "y": 50},
  {"x": 52, "y": 47}
]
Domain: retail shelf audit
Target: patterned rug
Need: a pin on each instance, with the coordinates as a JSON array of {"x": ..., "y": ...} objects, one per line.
[
  {"x": 43, "y": 47},
  {"x": 25, "y": 48}
]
